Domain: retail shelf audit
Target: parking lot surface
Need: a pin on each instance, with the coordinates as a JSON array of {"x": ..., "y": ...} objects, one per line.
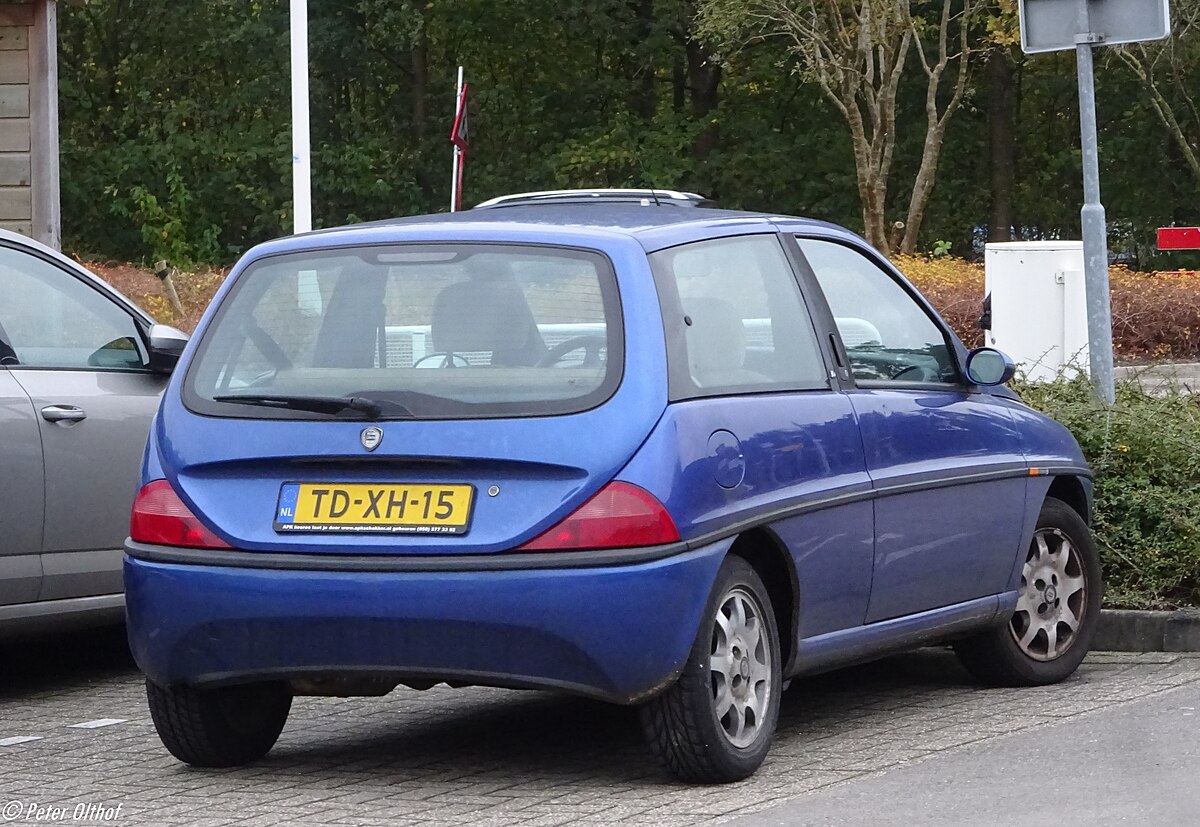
[{"x": 498, "y": 757}]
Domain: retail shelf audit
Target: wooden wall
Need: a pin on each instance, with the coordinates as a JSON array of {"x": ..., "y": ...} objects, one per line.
[
  {"x": 29, "y": 119},
  {"x": 16, "y": 196}
]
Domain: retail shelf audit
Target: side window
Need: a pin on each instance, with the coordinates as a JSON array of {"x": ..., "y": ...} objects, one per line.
[
  {"x": 735, "y": 318},
  {"x": 888, "y": 336},
  {"x": 50, "y": 319}
]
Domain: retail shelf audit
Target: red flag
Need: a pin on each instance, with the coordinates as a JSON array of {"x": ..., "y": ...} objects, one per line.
[{"x": 460, "y": 135}]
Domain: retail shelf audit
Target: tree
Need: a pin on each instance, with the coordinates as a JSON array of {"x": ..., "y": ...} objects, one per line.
[
  {"x": 856, "y": 51},
  {"x": 1003, "y": 35},
  {"x": 176, "y": 135},
  {"x": 1169, "y": 72}
]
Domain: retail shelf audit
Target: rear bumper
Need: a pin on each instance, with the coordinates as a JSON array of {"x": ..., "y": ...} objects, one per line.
[{"x": 617, "y": 632}]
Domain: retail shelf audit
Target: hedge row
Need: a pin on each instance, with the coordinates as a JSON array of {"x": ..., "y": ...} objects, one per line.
[
  {"x": 1145, "y": 452},
  {"x": 1155, "y": 315}
]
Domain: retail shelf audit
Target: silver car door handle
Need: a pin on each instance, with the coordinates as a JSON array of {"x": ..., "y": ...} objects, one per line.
[{"x": 63, "y": 413}]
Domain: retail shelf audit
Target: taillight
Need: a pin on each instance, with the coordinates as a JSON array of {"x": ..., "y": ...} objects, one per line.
[
  {"x": 161, "y": 518},
  {"x": 620, "y": 515}
]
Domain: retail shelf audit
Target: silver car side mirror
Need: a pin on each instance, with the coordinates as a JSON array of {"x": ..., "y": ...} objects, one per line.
[{"x": 166, "y": 345}]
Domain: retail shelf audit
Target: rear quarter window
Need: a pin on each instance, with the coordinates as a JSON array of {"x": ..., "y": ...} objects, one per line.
[{"x": 735, "y": 320}]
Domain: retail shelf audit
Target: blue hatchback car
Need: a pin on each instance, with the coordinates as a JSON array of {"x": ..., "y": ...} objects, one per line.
[{"x": 656, "y": 454}]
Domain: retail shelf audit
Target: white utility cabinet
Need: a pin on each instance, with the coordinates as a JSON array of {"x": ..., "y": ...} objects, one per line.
[{"x": 1039, "y": 308}]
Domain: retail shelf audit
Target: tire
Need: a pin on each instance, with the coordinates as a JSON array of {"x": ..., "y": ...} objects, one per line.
[
  {"x": 1057, "y": 610},
  {"x": 223, "y": 727},
  {"x": 682, "y": 726}
]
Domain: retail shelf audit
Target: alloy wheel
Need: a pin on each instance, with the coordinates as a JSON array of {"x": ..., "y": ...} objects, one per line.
[
  {"x": 1053, "y": 597},
  {"x": 740, "y": 664}
]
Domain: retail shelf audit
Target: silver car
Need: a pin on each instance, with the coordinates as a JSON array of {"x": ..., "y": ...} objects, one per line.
[{"x": 81, "y": 372}]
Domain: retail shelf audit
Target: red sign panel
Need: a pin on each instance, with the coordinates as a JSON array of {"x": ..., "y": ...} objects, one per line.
[{"x": 1179, "y": 238}]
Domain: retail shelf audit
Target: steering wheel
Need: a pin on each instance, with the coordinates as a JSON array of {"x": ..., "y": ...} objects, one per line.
[
  {"x": 920, "y": 374},
  {"x": 262, "y": 379},
  {"x": 449, "y": 360},
  {"x": 590, "y": 344}
]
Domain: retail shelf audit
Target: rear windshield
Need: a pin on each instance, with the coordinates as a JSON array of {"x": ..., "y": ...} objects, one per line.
[{"x": 423, "y": 331}]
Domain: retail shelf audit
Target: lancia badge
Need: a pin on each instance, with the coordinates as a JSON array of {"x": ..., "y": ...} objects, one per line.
[{"x": 371, "y": 437}]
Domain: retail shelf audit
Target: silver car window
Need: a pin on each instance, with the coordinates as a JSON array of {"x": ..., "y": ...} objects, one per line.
[{"x": 53, "y": 319}]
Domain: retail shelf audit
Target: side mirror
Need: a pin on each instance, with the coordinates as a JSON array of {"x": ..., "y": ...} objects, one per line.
[
  {"x": 987, "y": 366},
  {"x": 166, "y": 345}
]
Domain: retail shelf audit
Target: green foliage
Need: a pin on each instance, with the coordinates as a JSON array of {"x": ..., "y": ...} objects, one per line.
[
  {"x": 1145, "y": 452},
  {"x": 175, "y": 117},
  {"x": 165, "y": 235},
  {"x": 174, "y": 121}
]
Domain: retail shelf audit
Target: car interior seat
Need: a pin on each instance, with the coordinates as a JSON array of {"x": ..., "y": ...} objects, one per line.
[
  {"x": 352, "y": 327},
  {"x": 8, "y": 356},
  {"x": 857, "y": 332},
  {"x": 716, "y": 344},
  {"x": 487, "y": 313}
]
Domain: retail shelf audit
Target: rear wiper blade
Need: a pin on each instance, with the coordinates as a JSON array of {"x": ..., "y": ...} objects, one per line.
[{"x": 317, "y": 404}]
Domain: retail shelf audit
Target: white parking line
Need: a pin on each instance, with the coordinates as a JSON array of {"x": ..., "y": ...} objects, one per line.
[
  {"x": 18, "y": 739},
  {"x": 99, "y": 722}
]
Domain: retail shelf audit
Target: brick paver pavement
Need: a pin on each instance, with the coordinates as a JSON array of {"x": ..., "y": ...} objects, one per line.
[{"x": 495, "y": 757}]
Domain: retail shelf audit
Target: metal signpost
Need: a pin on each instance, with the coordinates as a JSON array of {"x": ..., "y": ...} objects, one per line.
[{"x": 1059, "y": 25}]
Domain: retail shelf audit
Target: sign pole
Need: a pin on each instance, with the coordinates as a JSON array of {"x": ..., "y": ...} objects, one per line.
[
  {"x": 301, "y": 148},
  {"x": 1059, "y": 25},
  {"x": 457, "y": 151},
  {"x": 1095, "y": 234}
]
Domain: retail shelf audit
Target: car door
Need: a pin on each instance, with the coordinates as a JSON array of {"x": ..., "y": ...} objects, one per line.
[
  {"x": 20, "y": 490},
  {"x": 945, "y": 459},
  {"x": 79, "y": 354}
]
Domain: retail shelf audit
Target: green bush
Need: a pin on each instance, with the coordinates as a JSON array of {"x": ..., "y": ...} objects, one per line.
[{"x": 1145, "y": 452}]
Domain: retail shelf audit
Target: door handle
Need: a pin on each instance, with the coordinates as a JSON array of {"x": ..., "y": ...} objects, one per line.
[{"x": 63, "y": 413}]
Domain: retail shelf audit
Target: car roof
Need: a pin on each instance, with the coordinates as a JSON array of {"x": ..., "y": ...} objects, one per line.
[{"x": 654, "y": 227}]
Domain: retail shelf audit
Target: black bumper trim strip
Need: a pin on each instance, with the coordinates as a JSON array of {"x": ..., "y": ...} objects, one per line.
[{"x": 501, "y": 561}]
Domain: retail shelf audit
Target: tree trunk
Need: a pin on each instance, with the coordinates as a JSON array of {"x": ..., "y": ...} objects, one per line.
[
  {"x": 935, "y": 120},
  {"x": 420, "y": 84},
  {"x": 645, "y": 83},
  {"x": 704, "y": 80},
  {"x": 419, "y": 63},
  {"x": 872, "y": 189},
  {"x": 678, "y": 86},
  {"x": 923, "y": 186},
  {"x": 1001, "y": 75}
]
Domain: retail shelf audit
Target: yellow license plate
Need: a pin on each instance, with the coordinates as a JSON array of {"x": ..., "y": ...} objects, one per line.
[{"x": 391, "y": 508}]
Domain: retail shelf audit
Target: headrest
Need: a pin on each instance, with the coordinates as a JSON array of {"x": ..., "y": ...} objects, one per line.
[
  {"x": 857, "y": 332},
  {"x": 473, "y": 316}
]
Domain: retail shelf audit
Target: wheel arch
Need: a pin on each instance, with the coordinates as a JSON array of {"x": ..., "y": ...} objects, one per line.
[
  {"x": 767, "y": 555},
  {"x": 1071, "y": 491}
]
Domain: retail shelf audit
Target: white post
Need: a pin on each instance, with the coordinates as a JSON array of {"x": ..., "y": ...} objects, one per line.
[
  {"x": 454, "y": 155},
  {"x": 301, "y": 148}
]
